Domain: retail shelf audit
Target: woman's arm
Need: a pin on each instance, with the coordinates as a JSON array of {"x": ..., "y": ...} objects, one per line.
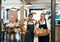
[
  {"x": 49, "y": 27},
  {"x": 24, "y": 27}
]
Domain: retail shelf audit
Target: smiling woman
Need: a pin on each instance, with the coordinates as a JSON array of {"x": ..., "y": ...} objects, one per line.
[{"x": 12, "y": 15}]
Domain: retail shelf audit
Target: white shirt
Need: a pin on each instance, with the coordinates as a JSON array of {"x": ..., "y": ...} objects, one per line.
[
  {"x": 25, "y": 23},
  {"x": 48, "y": 24}
]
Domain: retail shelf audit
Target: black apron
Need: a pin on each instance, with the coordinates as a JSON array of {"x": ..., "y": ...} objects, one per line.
[
  {"x": 43, "y": 38},
  {"x": 29, "y": 36}
]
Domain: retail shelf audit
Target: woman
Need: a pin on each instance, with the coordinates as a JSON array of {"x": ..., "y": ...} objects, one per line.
[
  {"x": 29, "y": 24},
  {"x": 43, "y": 23},
  {"x": 10, "y": 26}
]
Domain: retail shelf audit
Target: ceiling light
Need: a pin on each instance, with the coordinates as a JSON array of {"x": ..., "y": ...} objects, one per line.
[{"x": 28, "y": 4}]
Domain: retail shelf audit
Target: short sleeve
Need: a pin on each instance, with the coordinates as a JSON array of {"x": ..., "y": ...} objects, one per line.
[
  {"x": 33, "y": 21},
  {"x": 48, "y": 25},
  {"x": 37, "y": 26}
]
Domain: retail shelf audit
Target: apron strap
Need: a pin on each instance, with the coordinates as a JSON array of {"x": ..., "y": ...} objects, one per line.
[
  {"x": 28, "y": 21},
  {"x": 45, "y": 22}
]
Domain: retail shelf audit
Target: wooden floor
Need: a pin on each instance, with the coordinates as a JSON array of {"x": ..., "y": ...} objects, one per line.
[{"x": 57, "y": 34}]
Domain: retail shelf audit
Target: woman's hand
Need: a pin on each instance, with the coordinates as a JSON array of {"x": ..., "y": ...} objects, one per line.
[{"x": 23, "y": 29}]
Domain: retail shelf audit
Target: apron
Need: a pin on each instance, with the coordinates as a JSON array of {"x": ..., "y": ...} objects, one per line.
[
  {"x": 29, "y": 36},
  {"x": 43, "y": 38}
]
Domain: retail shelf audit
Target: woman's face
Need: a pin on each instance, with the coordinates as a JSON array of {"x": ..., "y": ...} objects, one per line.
[
  {"x": 42, "y": 16},
  {"x": 30, "y": 17}
]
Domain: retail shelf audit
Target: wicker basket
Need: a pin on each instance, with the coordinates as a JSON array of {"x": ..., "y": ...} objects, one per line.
[{"x": 40, "y": 32}]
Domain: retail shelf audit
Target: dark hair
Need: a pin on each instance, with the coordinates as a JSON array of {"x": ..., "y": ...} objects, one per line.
[
  {"x": 42, "y": 14},
  {"x": 1, "y": 20},
  {"x": 49, "y": 17},
  {"x": 30, "y": 14}
]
